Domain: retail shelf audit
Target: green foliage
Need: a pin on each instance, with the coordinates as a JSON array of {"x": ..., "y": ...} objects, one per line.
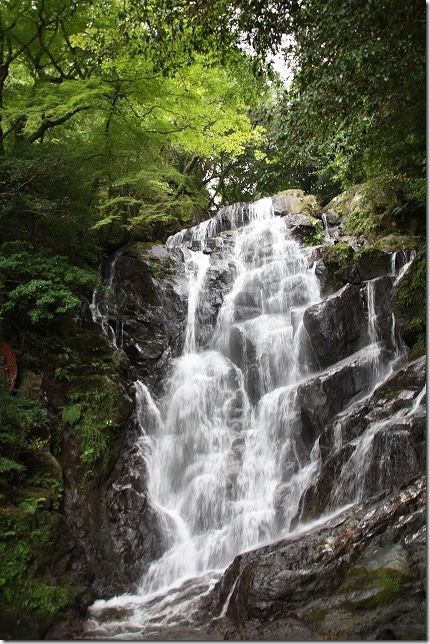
[
  {"x": 39, "y": 284},
  {"x": 411, "y": 296},
  {"x": 97, "y": 408},
  {"x": 24, "y": 549},
  {"x": 316, "y": 237},
  {"x": 413, "y": 283},
  {"x": 71, "y": 414},
  {"x": 367, "y": 223},
  {"x": 48, "y": 202},
  {"x": 128, "y": 147},
  {"x": 359, "y": 86},
  {"x": 30, "y": 505},
  {"x": 20, "y": 419}
]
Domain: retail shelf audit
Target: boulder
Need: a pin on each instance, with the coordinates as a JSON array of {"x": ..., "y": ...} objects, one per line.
[
  {"x": 288, "y": 202},
  {"x": 336, "y": 326},
  {"x": 323, "y": 396},
  {"x": 372, "y": 262},
  {"x": 357, "y": 576}
]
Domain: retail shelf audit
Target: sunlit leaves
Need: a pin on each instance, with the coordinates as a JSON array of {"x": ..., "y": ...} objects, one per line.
[{"x": 39, "y": 284}]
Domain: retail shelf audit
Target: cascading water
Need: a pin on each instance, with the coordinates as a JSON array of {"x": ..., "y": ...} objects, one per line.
[
  {"x": 98, "y": 305},
  {"x": 226, "y": 460},
  {"x": 216, "y": 461}
]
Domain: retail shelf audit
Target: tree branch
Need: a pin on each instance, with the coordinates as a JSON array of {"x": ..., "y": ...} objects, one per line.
[{"x": 48, "y": 124}]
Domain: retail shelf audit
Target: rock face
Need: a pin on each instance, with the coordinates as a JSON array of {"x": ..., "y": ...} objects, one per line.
[
  {"x": 336, "y": 327},
  {"x": 394, "y": 453},
  {"x": 359, "y": 575},
  {"x": 143, "y": 309},
  {"x": 347, "y": 578},
  {"x": 114, "y": 532}
]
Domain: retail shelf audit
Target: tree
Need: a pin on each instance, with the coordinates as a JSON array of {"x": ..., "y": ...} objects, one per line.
[
  {"x": 356, "y": 106},
  {"x": 91, "y": 83},
  {"x": 359, "y": 85}
]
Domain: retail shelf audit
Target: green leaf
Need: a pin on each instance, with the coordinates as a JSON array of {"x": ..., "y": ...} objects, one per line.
[{"x": 71, "y": 414}]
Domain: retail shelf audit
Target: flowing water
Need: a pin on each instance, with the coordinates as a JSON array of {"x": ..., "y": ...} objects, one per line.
[
  {"x": 226, "y": 462},
  {"x": 217, "y": 457}
]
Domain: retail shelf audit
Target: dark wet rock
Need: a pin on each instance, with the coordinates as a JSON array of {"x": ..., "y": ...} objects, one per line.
[
  {"x": 346, "y": 579},
  {"x": 299, "y": 225},
  {"x": 397, "y": 452},
  {"x": 323, "y": 396},
  {"x": 372, "y": 262},
  {"x": 379, "y": 290},
  {"x": 145, "y": 307},
  {"x": 336, "y": 327},
  {"x": 243, "y": 355},
  {"x": 217, "y": 283}
]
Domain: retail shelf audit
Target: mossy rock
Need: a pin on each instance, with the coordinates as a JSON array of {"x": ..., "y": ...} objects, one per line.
[
  {"x": 92, "y": 345},
  {"x": 365, "y": 588},
  {"x": 30, "y": 598},
  {"x": 30, "y": 384},
  {"x": 372, "y": 262},
  {"x": 338, "y": 255},
  {"x": 43, "y": 469},
  {"x": 347, "y": 201},
  {"x": 338, "y": 260},
  {"x": 317, "y": 615},
  {"x": 409, "y": 304},
  {"x": 98, "y": 411},
  {"x": 396, "y": 243},
  {"x": 105, "y": 395},
  {"x": 411, "y": 378}
]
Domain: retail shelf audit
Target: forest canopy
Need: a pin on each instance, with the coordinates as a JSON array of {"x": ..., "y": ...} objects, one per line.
[{"x": 130, "y": 119}]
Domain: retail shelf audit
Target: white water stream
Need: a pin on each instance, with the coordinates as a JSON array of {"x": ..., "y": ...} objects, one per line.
[
  {"x": 223, "y": 447},
  {"x": 217, "y": 459}
]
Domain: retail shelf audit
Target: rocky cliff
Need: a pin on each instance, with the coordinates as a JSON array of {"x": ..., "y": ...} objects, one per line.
[{"x": 342, "y": 580}]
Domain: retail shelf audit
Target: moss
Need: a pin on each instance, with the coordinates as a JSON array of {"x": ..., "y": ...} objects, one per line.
[
  {"x": 394, "y": 243},
  {"x": 316, "y": 615},
  {"x": 413, "y": 281},
  {"x": 372, "y": 262},
  {"x": 99, "y": 405},
  {"x": 338, "y": 255},
  {"x": 29, "y": 601},
  {"x": 339, "y": 261},
  {"x": 309, "y": 206},
  {"x": 370, "y": 253},
  {"x": 372, "y": 588},
  {"x": 158, "y": 271},
  {"x": 410, "y": 304},
  {"x": 387, "y": 393}
]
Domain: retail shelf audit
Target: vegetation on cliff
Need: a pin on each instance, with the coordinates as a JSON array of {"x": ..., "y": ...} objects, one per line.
[{"x": 126, "y": 120}]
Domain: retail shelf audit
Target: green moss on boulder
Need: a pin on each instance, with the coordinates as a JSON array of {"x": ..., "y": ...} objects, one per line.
[
  {"x": 409, "y": 305},
  {"x": 372, "y": 262},
  {"x": 394, "y": 243}
]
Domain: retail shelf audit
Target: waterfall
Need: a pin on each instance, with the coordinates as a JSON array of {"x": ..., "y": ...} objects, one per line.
[
  {"x": 101, "y": 302},
  {"x": 226, "y": 454},
  {"x": 217, "y": 461}
]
